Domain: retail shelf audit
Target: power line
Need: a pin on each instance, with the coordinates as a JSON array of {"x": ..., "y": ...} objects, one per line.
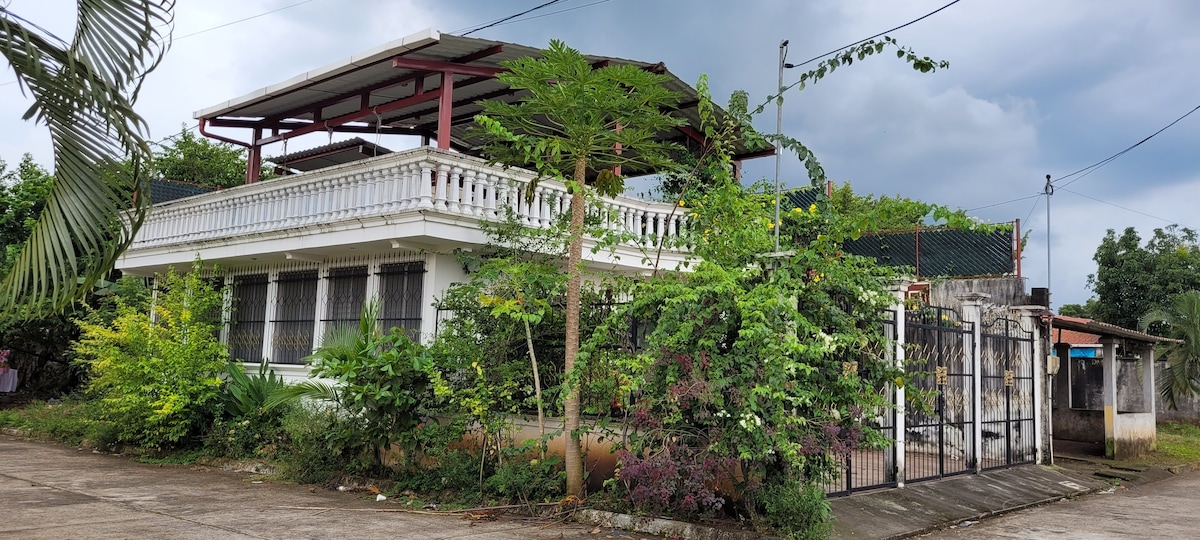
[
  {"x": 231, "y": 23},
  {"x": 1035, "y": 205},
  {"x": 510, "y": 17},
  {"x": 1097, "y": 165},
  {"x": 564, "y": 10},
  {"x": 820, "y": 56},
  {"x": 1117, "y": 206},
  {"x": 196, "y": 33},
  {"x": 1003, "y": 203}
]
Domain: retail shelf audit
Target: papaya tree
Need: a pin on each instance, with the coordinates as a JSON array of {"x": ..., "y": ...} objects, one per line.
[{"x": 575, "y": 124}]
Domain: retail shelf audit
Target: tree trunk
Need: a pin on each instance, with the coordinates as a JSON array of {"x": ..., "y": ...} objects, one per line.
[
  {"x": 572, "y": 451},
  {"x": 537, "y": 388}
]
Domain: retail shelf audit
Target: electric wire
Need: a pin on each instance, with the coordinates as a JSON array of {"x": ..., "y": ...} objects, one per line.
[
  {"x": 1118, "y": 206},
  {"x": 1003, "y": 203},
  {"x": 174, "y": 39},
  {"x": 564, "y": 10},
  {"x": 496, "y": 22},
  {"x": 1035, "y": 205},
  {"x": 834, "y": 51},
  {"x": 1095, "y": 166}
]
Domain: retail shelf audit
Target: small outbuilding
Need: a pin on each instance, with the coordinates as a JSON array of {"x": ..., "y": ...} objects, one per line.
[{"x": 1104, "y": 391}]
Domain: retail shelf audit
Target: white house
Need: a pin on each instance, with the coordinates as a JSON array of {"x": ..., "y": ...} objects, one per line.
[{"x": 305, "y": 251}]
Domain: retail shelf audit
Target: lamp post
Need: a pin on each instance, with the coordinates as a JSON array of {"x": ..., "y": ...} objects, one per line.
[{"x": 779, "y": 133}]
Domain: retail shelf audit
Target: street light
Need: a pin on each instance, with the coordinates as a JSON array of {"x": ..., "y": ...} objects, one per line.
[{"x": 783, "y": 45}]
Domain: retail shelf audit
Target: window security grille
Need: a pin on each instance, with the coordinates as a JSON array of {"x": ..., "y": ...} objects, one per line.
[
  {"x": 344, "y": 303},
  {"x": 295, "y": 306},
  {"x": 248, "y": 317},
  {"x": 401, "y": 292}
]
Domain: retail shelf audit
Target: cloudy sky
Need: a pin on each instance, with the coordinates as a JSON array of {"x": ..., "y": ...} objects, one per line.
[{"x": 1034, "y": 88}]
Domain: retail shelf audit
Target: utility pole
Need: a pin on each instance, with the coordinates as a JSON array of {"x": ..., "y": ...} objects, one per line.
[
  {"x": 779, "y": 134},
  {"x": 1048, "y": 190}
]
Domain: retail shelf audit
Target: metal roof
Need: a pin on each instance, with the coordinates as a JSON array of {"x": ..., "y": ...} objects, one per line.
[
  {"x": 338, "y": 153},
  {"x": 338, "y": 89},
  {"x": 1090, "y": 326}
]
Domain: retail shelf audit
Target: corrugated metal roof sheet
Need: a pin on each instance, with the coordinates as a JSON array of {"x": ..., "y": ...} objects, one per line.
[
  {"x": 298, "y": 99},
  {"x": 1091, "y": 326},
  {"x": 162, "y": 190},
  {"x": 329, "y": 155}
]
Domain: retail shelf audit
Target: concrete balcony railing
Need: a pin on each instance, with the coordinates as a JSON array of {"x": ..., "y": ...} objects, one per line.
[{"x": 420, "y": 180}]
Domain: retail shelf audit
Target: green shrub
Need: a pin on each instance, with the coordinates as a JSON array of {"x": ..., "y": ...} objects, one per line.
[
  {"x": 249, "y": 427},
  {"x": 796, "y": 509},
  {"x": 317, "y": 446},
  {"x": 381, "y": 386},
  {"x": 158, "y": 378},
  {"x": 527, "y": 479}
]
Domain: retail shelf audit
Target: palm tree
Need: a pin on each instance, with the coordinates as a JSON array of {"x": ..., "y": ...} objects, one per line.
[
  {"x": 84, "y": 91},
  {"x": 1181, "y": 378}
]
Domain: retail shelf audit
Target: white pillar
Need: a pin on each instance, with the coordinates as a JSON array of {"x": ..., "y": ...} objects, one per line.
[
  {"x": 899, "y": 288},
  {"x": 268, "y": 342},
  {"x": 1109, "y": 346},
  {"x": 972, "y": 310},
  {"x": 322, "y": 308}
]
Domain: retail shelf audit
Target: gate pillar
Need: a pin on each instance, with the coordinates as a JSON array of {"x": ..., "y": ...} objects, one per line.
[
  {"x": 899, "y": 289},
  {"x": 972, "y": 311}
]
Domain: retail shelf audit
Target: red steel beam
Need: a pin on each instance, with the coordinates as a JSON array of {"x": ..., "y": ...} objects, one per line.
[
  {"x": 445, "y": 108},
  {"x": 204, "y": 123},
  {"x": 445, "y": 67},
  {"x": 315, "y": 108},
  {"x": 459, "y": 103},
  {"x": 357, "y": 115}
]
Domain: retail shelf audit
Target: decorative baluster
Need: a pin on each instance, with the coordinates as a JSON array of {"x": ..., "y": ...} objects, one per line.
[
  {"x": 540, "y": 209},
  {"x": 639, "y": 227},
  {"x": 492, "y": 183},
  {"x": 470, "y": 193},
  {"x": 673, "y": 227},
  {"x": 387, "y": 189},
  {"x": 454, "y": 193},
  {"x": 425, "y": 185},
  {"x": 443, "y": 180},
  {"x": 659, "y": 227},
  {"x": 504, "y": 197}
]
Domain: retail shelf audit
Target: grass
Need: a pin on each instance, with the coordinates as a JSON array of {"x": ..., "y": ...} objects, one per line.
[
  {"x": 69, "y": 422},
  {"x": 1178, "y": 442}
]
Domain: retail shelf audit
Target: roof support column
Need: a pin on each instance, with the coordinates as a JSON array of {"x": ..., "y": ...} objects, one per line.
[
  {"x": 445, "y": 110},
  {"x": 254, "y": 158}
]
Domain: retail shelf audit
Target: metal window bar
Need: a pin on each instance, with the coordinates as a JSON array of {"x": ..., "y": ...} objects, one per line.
[
  {"x": 295, "y": 309},
  {"x": 401, "y": 290},
  {"x": 346, "y": 296},
  {"x": 248, "y": 318}
]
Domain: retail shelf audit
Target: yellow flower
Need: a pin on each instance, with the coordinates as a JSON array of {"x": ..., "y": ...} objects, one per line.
[
  {"x": 706, "y": 231},
  {"x": 770, "y": 225},
  {"x": 695, "y": 215},
  {"x": 816, "y": 278},
  {"x": 812, "y": 208},
  {"x": 681, "y": 203},
  {"x": 797, "y": 209}
]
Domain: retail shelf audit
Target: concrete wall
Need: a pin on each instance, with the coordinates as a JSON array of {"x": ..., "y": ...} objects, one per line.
[
  {"x": 1003, "y": 291},
  {"x": 1188, "y": 407},
  {"x": 1135, "y": 435}
]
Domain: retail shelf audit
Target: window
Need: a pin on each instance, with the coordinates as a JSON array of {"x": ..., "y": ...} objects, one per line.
[
  {"x": 295, "y": 305},
  {"x": 401, "y": 292},
  {"x": 344, "y": 302},
  {"x": 248, "y": 316}
]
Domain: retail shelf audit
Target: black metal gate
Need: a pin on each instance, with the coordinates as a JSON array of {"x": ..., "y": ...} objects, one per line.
[
  {"x": 939, "y": 421},
  {"x": 872, "y": 468},
  {"x": 1007, "y": 421}
]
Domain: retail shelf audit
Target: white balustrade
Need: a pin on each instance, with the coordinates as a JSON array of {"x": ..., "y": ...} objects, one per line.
[{"x": 422, "y": 179}]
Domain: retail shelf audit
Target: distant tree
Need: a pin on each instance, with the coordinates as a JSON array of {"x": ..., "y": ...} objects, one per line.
[
  {"x": 23, "y": 193},
  {"x": 1181, "y": 320},
  {"x": 1086, "y": 310},
  {"x": 1131, "y": 278},
  {"x": 201, "y": 161}
]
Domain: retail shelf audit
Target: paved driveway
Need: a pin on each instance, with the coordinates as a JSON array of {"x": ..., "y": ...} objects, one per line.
[
  {"x": 1165, "y": 509},
  {"x": 49, "y": 491}
]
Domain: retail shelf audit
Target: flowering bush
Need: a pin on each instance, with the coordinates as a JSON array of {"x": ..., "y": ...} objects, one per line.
[{"x": 158, "y": 378}]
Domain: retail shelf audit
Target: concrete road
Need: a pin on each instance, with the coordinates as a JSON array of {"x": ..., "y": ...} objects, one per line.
[
  {"x": 49, "y": 491},
  {"x": 1165, "y": 509}
]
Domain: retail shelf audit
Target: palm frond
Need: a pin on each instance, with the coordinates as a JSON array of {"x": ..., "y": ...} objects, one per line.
[
  {"x": 84, "y": 93},
  {"x": 309, "y": 389}
]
